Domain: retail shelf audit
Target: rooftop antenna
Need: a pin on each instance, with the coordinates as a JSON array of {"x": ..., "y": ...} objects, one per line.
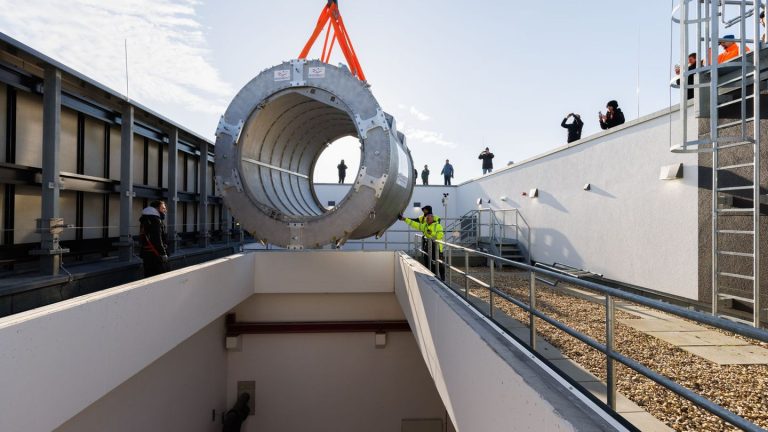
[
  {"x": 638, "y": 72},
  {"x": 126, "y": 68}
]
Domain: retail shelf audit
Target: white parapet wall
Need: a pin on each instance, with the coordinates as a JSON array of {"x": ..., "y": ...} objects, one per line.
[
  {"x": 58, "y": 360},
  {"x": 630, "y": 225},
  {"x": 487, "y": 383}
]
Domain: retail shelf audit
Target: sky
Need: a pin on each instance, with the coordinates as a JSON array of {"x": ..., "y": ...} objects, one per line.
[{"x": 457, "y": 76}]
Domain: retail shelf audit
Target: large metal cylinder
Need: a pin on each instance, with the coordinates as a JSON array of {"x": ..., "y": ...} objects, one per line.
[{"x": 270, "y": 138}]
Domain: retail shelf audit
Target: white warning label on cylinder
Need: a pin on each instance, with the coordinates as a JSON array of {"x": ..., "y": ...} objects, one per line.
[
  {"x": 316, "y": 72},
  {"x": 283, "y": 75},
  {"x": 402, "y": 167}
]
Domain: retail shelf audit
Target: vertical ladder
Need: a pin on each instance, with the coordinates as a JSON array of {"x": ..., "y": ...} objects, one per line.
[{"x": 734, "y": 145}]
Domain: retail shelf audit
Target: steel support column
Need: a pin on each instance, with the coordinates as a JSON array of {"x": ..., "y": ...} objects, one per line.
[
  {"x": 126, "y": 183},
  {"x": 202, "y": 208},
  {"x": 50, "y": 225},
  {"x": 173, "y": 189},
  {"x": 226, "y": 224}
]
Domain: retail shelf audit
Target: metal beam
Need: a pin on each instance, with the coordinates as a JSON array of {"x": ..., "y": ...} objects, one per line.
[
  {"x": 202, "y": 208},
  {"x": 173, "y": 188},
  {"x": 50, "y": 224},
  {"x": 126, "y": 184}
]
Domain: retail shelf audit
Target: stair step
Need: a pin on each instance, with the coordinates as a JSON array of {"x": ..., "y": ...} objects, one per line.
[
  {"x": 734, "y": 123},
  {"x": 735, "y": 144},
  {"x": 734, "y": 101},
  {"x": 734, "y": 297},
  {"x": 727, "y": 167},
  {"x": 734, "y": 188},
  {"x": 734, "y": 319},
  {"x": 741, "y": 254},
  {"x": 736, "y": 275},
  {"x": 736, "y": 210},
  {"x": 736, "y": 232}
]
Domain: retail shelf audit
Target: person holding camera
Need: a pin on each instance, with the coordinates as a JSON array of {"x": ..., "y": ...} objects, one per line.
[
  {"x": 613, "y": 117},
  {"x": 691, "y": 66},
  {"x": 574, "y": 128},
  {"x": 487, "y": 158},
  {"x": 152, "y": 236}
]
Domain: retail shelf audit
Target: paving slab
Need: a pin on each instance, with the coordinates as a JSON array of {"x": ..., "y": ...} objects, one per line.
[
  {"x": 642, "y": 311},
  {"x": 623, "y": 404},
  {"x": 661, "y": 325},
  {"x": 574, "y": 370},
  {"x": 698, "y": 338},
  {"x": 730, "y": 355},
  {"x": 646, "y": 422}
]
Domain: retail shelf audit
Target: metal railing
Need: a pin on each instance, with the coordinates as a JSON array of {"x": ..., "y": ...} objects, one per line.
[
  {"x": 434, "y": 262},
  {"x": 504, "y": 222},
  {"x": 497, "y": 225}
]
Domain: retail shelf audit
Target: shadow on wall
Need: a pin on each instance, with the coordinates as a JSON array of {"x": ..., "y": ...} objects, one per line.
[
  {"x": 548, "y": 199},
  {"x": 599, "y": 191},
  {"x": 551, "y": 246}
]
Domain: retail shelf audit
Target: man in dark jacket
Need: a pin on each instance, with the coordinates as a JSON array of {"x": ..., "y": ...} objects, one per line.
[
  {"x": 342, "y": 171},
  {"x": 425, "y": 176},
  {"x": 487, "y": 158},
  {"x": 447, "y": 173},
  {"x": 574, "y": 128},
  {"x": 691, "y": 66},
  {"x": 154, "y": 251},
  {"x": 613, "y": 117}
]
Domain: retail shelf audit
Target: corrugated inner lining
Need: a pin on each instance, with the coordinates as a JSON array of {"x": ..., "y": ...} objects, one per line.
[{"x": 290, "y": 132}]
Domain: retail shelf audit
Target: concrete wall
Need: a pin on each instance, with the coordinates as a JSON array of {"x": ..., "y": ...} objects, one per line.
[
  {"x": 329, "y": 381},
  {"x": 630, "y": 226},
  {"x": 184, "y": 390},
  {"x": 399, "y": 236},
  {"x": 486, "y": 383},
  {"x": 60, "y": 359}
]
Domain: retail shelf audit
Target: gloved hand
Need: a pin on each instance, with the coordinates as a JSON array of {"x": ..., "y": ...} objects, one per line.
[
  {"x": 400, "y": 216},
  {"x": 164, "y": 258}
]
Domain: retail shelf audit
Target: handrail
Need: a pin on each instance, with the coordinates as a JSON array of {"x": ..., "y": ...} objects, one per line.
[{"x": 610, "y": 295}]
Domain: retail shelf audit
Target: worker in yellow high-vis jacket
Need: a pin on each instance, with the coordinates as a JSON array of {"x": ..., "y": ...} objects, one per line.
[{"x": 430, "y": 227}]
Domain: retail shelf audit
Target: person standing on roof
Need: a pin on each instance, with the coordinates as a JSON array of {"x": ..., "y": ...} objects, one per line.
[
  {"x": 431, "y": 229},
  {"x": 152, "y": 235},
  {"x": 731, "y": 49},
  {"x": 574, "y": 128},
  {"x": 447, "y": 173},
  {"x": 342, "y": 171},
  {"x": 691, "y": 66},
  {"x": 613, "y": 117},
  {"x": 425, "y": 176},
  {"x": 487, "y": 158}
]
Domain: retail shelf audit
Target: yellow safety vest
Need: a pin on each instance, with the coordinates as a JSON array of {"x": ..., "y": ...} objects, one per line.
[{"x": 430, "y": 231}]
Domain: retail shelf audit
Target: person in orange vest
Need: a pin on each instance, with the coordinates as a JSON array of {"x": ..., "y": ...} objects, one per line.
[{"x": 731, "y": 49}]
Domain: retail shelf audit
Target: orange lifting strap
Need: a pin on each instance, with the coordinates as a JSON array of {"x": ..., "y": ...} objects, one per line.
[{"x": 331, "y": 17}]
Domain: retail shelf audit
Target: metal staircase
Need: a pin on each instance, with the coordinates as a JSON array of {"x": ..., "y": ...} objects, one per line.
[
  {"x": 733, "y": 139},
  {"x": 486, "y": 230}
]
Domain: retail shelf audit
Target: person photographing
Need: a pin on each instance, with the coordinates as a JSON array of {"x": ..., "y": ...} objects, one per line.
[
  {"x": 487, "y": 158},
  {"x": 613, "y": 117}
]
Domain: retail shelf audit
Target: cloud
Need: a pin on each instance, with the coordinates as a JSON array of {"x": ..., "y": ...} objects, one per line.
[
  {"x": 423, "y": 136},
  {"x": 168, "y": 58},
  {"x": 419, "y": 115}
]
